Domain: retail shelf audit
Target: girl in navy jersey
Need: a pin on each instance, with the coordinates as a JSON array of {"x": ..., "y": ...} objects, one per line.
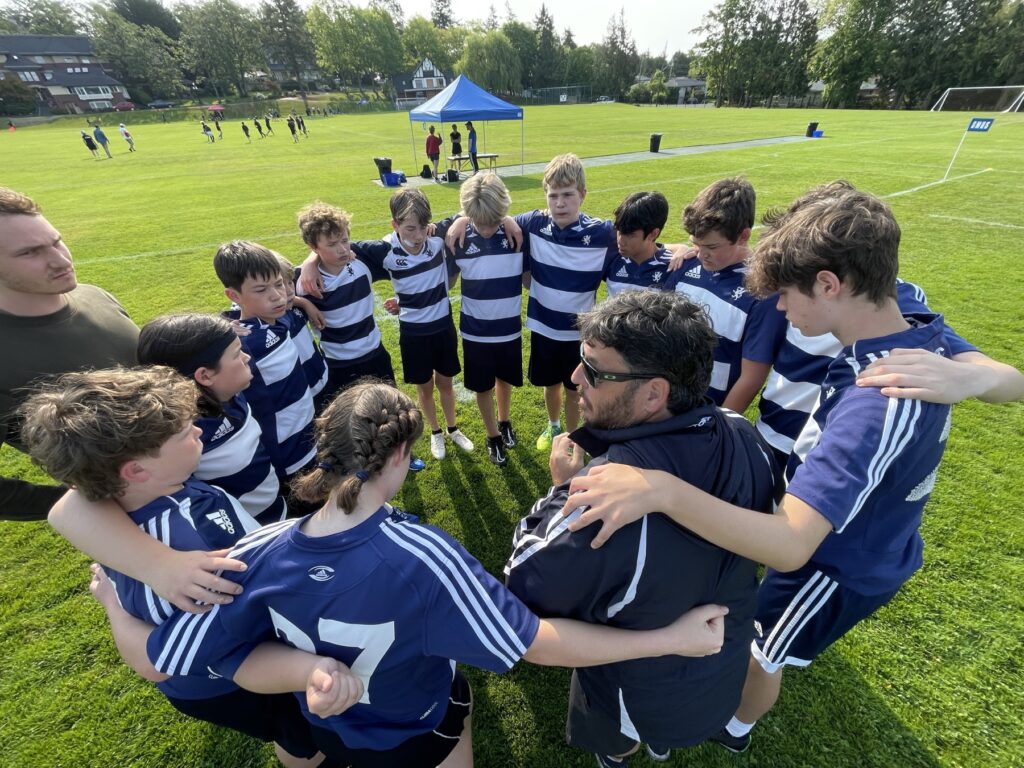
[
  {"x": 397, "y": 601},
  {"x": 204, "y": 348}
]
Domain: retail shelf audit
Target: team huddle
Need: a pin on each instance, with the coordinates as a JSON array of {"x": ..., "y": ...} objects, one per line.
[{"x": 335, "y": 625}]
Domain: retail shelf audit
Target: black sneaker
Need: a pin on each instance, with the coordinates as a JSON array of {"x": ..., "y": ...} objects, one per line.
[
  {"x": 735, "y": 744},
  {"x": 508, "y": 435},
  {"x": 658, "y": 757},
  {"x": 496, "y": 451}
]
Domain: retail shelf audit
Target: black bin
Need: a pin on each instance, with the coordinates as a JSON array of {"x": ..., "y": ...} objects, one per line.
[
  {"x": 383, "y": 166},
  {"x": 811, "y": 128},
  {"x": 655, "y": 142}
]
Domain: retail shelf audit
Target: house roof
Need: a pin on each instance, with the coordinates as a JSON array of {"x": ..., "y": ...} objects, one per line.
[
  {"x": 71, "y": 79},
  {"x": 45, "y": 45},
  {"x": 684, "y": 82}
]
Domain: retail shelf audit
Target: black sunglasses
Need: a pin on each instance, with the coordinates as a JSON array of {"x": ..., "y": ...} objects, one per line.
[{"x": 593, "y": 375}]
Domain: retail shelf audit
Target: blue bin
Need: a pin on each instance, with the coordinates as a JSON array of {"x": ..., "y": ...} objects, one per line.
[
  {"x": 390, "y": 179},
  {"x": 817, "y": 134}
]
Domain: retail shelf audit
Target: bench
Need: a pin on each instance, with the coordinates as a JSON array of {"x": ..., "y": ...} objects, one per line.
[{"x": 485, "y": 158}]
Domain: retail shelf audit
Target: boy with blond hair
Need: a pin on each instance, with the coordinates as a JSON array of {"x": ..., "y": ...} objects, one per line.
[
  {"x": 490, "y": 311},
  {"x": 350, "y": 338},
  {"x": 300, "y": 315},
  {"x": 750, "y": 329},
  {"x": 125, "y": 435}
]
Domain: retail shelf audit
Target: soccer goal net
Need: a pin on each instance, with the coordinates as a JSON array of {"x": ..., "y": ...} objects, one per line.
[{"x": 992, "y": 98}]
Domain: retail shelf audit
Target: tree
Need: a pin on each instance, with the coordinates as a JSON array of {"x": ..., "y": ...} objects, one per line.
[
  {"x": 148, "y": 13},
  {"x": 394, "y": 9},
  {"x": 221, "y": 42},
  {"x": 568, "y": 41},
  {"x": 490, "y": 61},
  {"x": 492, "y": 22},
  {"x": 852, "y": 51},
  {"x": 524, "y": 44},
  {"x": 286, "y": 39},
  {"x": 44, "y": 17},
  {"x": 420, "y": 40},
  {"x": 579, "y": 65},
  {"x": 355, "y": 43},
  {"x": 679, "y": 64},
  {"x": 617, "y": 60},
  {"x": 657, "y": 88},
  {"x": 441, "y": 14},
  {"x": 16, "y": 98},
  {"x": 547, "y": 69},
  {"x": 143, "y": 58}
]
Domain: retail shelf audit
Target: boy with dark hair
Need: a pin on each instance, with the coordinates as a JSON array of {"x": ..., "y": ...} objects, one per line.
[
  {"x": 845, "y": 537},
  {"x": 126, "y": 435},
  {"x": 638, "y": 222},
  {"x": 279, "y": 394},
  {"x": 719, "y": 222}
]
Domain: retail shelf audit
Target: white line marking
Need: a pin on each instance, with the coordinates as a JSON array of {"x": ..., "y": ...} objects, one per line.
[
  {"x": 975, "y": 221},
  {"x": 934, "y": 183}
]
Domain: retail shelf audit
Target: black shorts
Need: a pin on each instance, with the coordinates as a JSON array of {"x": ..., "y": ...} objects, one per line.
[
  {"x": 552, "y": 362},
  {"x": 341, "y": 373},
  {"x": 426, "y": 750},
  {"x": 422, "y": 355},
  {"x": 268, "y": 717},
  {"x": 593, "y": 730},
  {"x": 434, "y": 158},
  {"x": 801, "y": 613},
  {"x": 486, "y": 362}
]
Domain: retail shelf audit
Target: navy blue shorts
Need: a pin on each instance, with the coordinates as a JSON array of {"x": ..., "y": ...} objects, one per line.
[
  {"x": 552, "y": 362},
  {"x": 422, "y": 355},
  {"x": 484, "y": 362},
  {"x": 802, "y": 613}
]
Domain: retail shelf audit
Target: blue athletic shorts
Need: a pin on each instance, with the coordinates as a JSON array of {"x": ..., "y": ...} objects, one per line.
[{"x": 802, "y": 613}]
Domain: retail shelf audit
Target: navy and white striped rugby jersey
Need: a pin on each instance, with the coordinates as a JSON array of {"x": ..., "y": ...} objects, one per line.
[
  {"x": 801, "y": 362},
  {"x": 235, "y": 459},
  {"x": 279, "y": 395},
  {"x": 313, "y": 363},
  {"x": 625, "y": 274},
  {"x": 747, "y": 328},
  {"x": 492, "y": 287},
  {"x": 867, "y": 463},
  {"x": 566, "y": 268},
  {"x": 420, "y": 281},
  {"x": 397, "y": 601},
  {"x": 197, "y": 516},
  {"x": 350, "y": 331}
]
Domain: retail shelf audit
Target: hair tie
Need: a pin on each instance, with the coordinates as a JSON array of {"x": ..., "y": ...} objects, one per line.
[
  {"x": 363, "y": 475},
  {"x": 326, "y": 466}
]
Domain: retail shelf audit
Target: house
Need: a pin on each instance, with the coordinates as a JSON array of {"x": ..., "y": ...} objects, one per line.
[
  {"x": 691, "y": 91},
  {"x": 63, "y": 71},
  {"x": 425, "y": 83}
]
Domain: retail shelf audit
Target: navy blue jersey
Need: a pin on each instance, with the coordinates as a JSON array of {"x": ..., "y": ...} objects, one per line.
[
  {"x": 312, "y": 359},
  {"x": 867, "y": 464},
  {"x": 625, "y": 273},
  {"x": 350, "y": 332},
  {"x": 279, "y": 394},
  {"x": 420, "y": 281},
  {"x": 394, "y": 600},
  {"x": 652, "y": 571},
  {"x": 235, "y": 459},
  {"x": 492, "y": 287},
  {"x": 566, "y": 268},
  {"x": 196, "y": 517},
  {"x": 791, "y": 390},
  {"x": 747, "y": 328}
]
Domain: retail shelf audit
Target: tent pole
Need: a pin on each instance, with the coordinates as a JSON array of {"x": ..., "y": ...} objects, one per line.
[
  {"x": 412, "y": 138},
  {"x": 522, "y": 147}
]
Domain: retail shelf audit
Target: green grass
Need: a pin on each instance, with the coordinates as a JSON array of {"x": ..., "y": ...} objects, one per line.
[{"x": 932, "y": 680}]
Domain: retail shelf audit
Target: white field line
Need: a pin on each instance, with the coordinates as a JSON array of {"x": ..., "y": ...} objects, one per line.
[
  {"x": 975, "y": 221},
  {"x": 935, "y": 183}
]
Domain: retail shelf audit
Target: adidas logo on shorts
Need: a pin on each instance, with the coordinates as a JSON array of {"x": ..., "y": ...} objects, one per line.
[{"x": 694, "y": 273}]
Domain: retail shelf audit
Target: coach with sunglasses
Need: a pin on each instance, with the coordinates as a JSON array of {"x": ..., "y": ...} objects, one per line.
[{"x": 645, "y": 365}]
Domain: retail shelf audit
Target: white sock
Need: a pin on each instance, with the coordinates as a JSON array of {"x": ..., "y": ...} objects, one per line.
[
  {"x": 738, "y": 729},
  {"x": 557, "y": 424}
]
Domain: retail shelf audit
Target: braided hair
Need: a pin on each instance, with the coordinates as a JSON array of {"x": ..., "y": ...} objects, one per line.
[{"x": 356, "y": 435}]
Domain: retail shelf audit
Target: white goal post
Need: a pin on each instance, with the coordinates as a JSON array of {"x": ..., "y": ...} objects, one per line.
[{"x": 988, "y": 98}]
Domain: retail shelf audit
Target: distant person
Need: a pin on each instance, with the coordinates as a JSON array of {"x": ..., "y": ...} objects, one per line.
[
  {"x": 302, "y": 125},
  {"x": 127, "y": 137},
  {"x": 89, "y": 143},
  {"x": 259, "y": 128},
  {"x": 10, "y": 126},
  {"x": 245, "y": 130},
  {"x": 266, "y": 121},
  {"x": 472, "y": 145},
  {"x": 434, "y": 143},
  {"x": 102, "y": 140},
  {"x": 456, "y": 138},
  {"x": 216, "y": 124},
  {"x": 207, "y": 131},
  {"x": 292, "y": 127}
]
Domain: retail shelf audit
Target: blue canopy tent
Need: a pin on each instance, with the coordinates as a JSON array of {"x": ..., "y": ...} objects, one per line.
[{"x": 465, "y": 100}]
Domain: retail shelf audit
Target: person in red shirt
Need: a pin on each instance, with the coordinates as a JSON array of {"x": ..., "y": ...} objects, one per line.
[{"x": 434, "y": 143}]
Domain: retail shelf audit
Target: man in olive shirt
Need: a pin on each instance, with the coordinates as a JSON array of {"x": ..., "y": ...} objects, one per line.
[{"x": 49, "y": 325}]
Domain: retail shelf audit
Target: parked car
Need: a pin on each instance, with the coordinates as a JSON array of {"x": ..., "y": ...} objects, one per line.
[
  {"x": 604, "y": 99},
  {"x": 124, "y": 106},
  {"x": 160, "y": 104}
]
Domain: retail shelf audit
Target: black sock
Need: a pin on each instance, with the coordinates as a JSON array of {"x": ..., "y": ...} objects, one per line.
[
  {"x": 435, "y": 431},
  {"x": 452, "y": 429},
  {"x": 504, "y": 423}
]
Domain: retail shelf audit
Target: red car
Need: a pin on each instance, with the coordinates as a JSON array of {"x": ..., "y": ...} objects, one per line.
[{"x": 124, "y": 106}]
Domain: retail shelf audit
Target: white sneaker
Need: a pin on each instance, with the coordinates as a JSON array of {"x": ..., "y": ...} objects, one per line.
[
  {"x": 461, "y": 440},
  {"x": 437, "y": 449}
]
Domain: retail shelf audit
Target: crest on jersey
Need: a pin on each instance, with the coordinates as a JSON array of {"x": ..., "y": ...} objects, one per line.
[
  {"x": 656, "y": 277},
  {"x": 586, "y": 239},
  {"x": 738, "y": 292},
  {"x": 321, "y": 573}
]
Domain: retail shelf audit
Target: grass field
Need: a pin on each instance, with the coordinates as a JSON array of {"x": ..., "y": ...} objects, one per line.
[{"x": 932, "y": 680}]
